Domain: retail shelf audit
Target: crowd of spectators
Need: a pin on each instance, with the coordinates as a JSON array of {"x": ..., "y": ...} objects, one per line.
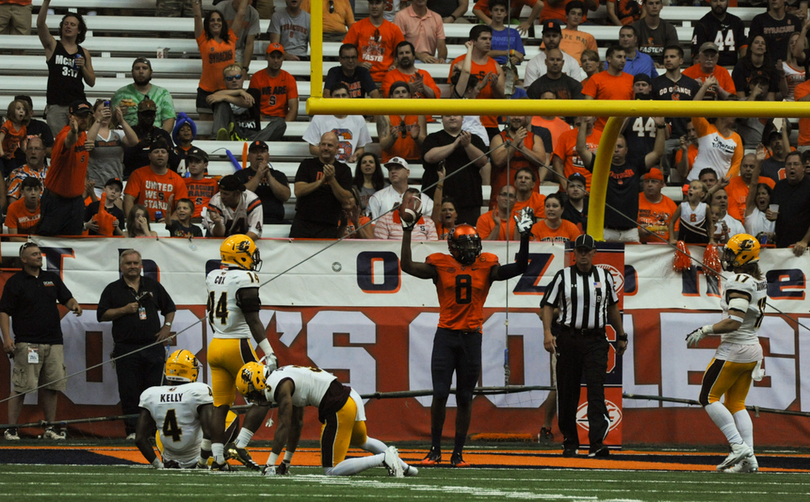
[{"x": 119, "y": 166}]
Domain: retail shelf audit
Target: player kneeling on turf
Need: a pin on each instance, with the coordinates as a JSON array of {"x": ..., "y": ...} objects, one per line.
[
  {"x": 340, "y": 410},
  {"x": 181, "y": 412}
]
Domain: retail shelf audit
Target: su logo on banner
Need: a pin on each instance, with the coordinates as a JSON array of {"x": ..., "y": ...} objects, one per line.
[{"x": 614, "y": 412}]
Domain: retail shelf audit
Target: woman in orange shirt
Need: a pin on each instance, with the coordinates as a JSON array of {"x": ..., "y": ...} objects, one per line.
[
  {"x": 217, "y": 44},
  {"x": 401, "y": 135},
  {"x": 554, "y": 228}
]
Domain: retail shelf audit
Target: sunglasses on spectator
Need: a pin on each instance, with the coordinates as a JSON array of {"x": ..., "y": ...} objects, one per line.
[{"x": 233, "y": 77}]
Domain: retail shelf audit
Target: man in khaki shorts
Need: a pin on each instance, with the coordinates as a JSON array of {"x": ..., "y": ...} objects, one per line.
[{"x": 29, "y": 299}]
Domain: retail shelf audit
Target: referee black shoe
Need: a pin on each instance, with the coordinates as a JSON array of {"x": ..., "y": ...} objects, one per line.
[
  {"x": 433, "y": 457},
  {"x": 569, "y": 452},
  {"x": 599, "y": 452}
]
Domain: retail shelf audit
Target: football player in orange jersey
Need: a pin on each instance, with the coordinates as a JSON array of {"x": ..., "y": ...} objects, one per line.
[{"x": 462, "y": 281}]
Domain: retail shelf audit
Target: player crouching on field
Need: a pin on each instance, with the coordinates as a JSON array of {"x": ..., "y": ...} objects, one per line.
[
  {"x": 181, "y": 412},
  {"x": 738, "y": 359},
  {"x": 340, "y": 410}
]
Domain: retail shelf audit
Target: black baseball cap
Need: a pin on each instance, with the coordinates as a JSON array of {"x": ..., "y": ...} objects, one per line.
[
  {"x": 258, "y": 145},
  {"x": 551, "y": 26},
  {"x": 578, "y": 177},
  {"x": 197, "y": 153},
  {"x": 80, "y": 107},
  {"x": 158, "y": 144},
  {"x": 231, "y": 183},
  {"x": 115, "y": 181},
  {"x": 585, "y": 241}
]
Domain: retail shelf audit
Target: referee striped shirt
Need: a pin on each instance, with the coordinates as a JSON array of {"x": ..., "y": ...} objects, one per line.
[{"x": 583, "y": 299}]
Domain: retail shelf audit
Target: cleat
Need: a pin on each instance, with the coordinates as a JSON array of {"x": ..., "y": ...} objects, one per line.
[
  {"x": 11, "y": 434},
  {"x": 226, "y": 467},
  {"x": 601, "y": 452},
  {"x": 746, "y": 465},
  {"x": 456, "y": 460},
  {"x": 50, "y": 433},
  {"x": 738, "y": 452},
  {"x": 545, "y": 436},
  {"x": 392, "y": 462},
  {"x": 410, "y": 470},
  {"x": 242, "y": 456},
  {"x": 433, "y": 457}
]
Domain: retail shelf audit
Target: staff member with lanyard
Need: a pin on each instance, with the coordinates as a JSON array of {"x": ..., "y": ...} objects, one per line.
[
  {"x": 132, "y": 304},
  {"x": 587, "y": 301}
]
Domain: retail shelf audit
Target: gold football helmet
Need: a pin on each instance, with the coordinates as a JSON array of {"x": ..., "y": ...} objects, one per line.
[
  {"x": 251, "y": 382},
  {"x": 182, "y": 366},
  {"x": 740, "y": 250},
  {"x": 240, "y": 250}
]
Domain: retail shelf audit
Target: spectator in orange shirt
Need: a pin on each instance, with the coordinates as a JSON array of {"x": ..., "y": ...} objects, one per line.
[
  {"x": 574, "y": 42},
  {"x": 279, "y": 95},
  {"x": 654, "y": 208},
  {"x": 483, "y": 67},
  {"x": 553, "y": 228},
  {"x": 217, "y": 44},
  {"x": 155, "y": 186},
  {"x": 623, "y": 12},
  {"x": 199, "y": 186},
  {"x": 420, "y": 82},
  {"x": 376, "y": 39},
  {"x": 685, "y": 155},
  {"x": 527, "y": 195},
  {"x": 522, "y": 149},
  {"x": 566, "y": 160},
  {"x": 802, "y": 93},
  {"x": 353, "y": 224},
  {"x": 498, "y": 224},
  {"x": 401, "y": 135},
  {"x": 591, "y": 64},
  {"x": 549, "y": 128},
  {"x": 337, "y": 18},
  {"x": 34, "y": 166},
  {"x": 23, "y": 215},
  {"x": 723, "y": 86},
  {"x": 62, "y": 203},
  {"x": 613, "y": 83},
  {"x": 738, "y": 186}
]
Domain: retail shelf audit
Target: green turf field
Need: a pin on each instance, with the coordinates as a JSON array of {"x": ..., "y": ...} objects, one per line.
[{"x": 86, "y": 483}]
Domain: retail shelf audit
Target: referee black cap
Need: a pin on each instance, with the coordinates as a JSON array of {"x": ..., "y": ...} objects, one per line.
[{"x": 585, "y": 241}]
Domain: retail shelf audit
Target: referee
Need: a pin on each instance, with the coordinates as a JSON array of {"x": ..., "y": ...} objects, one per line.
[{"x": 587, "y": 301}]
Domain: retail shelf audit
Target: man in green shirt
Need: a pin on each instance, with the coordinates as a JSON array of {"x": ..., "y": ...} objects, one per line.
[{"x": 141, "y": 88}]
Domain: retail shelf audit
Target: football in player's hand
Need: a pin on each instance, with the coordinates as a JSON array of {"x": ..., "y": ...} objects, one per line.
[{"x": 411, "y": 208}]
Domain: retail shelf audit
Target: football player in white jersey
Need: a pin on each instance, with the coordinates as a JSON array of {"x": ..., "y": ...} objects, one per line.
[
  {"x": 738, "y": 359},
  {"x": 233, "y": 314},
  {"x": 340, "y": 410},
  {"x": 181, "y": 413}
]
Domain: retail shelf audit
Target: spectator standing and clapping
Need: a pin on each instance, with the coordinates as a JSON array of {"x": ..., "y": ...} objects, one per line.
[
  {"x": 233, "y": 211},
  {"x": 138, "y": 223},
  {"x": 155, "y": 186},
  {"x": 419, "y": 81},
  {"x": 69, "y": 65},
  {"x": 107, "y": 158},
  {"x": 29, "y": 300},
  {"x": 24, "y": 215},
  {"x": 738, "y": 186},
  {"x": 130, "y": 96},
  {"x": 391, "y": 196},
  {"x": 271, "y": 185},
  {"x": 291, "y": 28},
  {"x": 132, "y": 304},
  {"x": 375, "y": 39},
  {"x": 451, "y": 149},
  {"x": 757, "y": 201},
  {"x": 424, "y": 29},
  {"x": 401, "y": 135},
  {"x": 322, "y": 186},
  {"x": 35, "y": 166},
  {"x": 719, "y": 147},
  {"x": 250, "y": 29},
  {"x": 497, "y": 225},
  {"x": 368, "y": 179},
  {"x": 579, "y": 340},
  {"x": 112, "y": 195},
  {"x": 356, "y": 78},
  {"x": 62, "y": 201},
  {"x": 237, "y": 112},
  {"x": 279, "y": 97},
  {"x": 199, "y": 186},
  {"x": 217, "y": 44},
  {"x": 522, "y": 150},
  {"x": 351, "y": 131}
]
